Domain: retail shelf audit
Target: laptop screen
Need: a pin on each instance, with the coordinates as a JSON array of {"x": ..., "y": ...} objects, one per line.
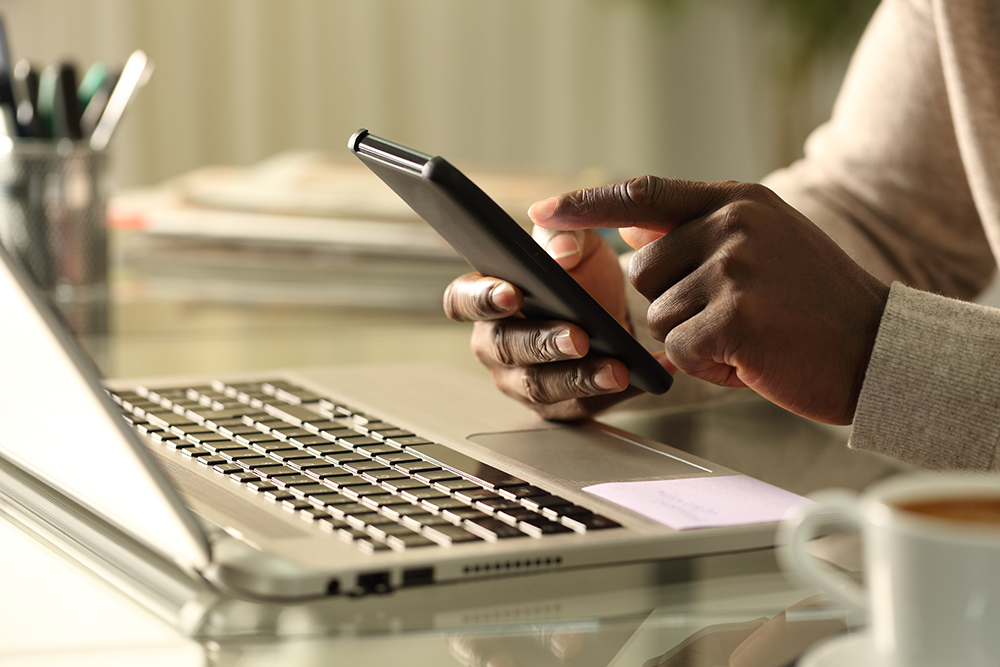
[{"x": 57, "y": 423}]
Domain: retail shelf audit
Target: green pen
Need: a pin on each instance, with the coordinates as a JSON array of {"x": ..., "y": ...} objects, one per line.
[{"x": 91, "y": 83}]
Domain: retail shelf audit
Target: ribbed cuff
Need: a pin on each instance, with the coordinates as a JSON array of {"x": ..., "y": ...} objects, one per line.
[{"x": 931, "y": 394}]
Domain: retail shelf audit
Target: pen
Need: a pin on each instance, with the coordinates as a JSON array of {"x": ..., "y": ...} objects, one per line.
[
  {"x": 58, "y": 105},
  {"x": 91, "y": 83},
  {"x": 98, "y": 101},
  {"x": 7, "y": 101},
  {"x": 67, "y": 103},
  {"x": 134, "y": 75},
  {"x": 26, "y": 96}
]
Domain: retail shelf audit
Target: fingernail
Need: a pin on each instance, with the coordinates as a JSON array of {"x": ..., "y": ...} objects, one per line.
[
  {"x": 543, "y": 210},
  {"x": 604, "y": 378},
  {"x": 564, "y": 342},
  {"x": 563, "y": 245},
  {"x": 502, "y": 296}
]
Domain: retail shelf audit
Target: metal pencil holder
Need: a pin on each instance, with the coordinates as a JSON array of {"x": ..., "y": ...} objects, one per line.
[{"x": 53, "y": 205}]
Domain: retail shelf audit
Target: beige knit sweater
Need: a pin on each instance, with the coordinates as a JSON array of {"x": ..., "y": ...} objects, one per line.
[{"x": 906, "y": 177}]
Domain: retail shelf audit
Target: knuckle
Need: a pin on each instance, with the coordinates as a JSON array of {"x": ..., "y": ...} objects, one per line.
[
  {"x": 549, "y": 386},
  {"x": 468, "y": 300},
  {"x": 640, "y": 193},
  {"x": 519, "y": 344}
]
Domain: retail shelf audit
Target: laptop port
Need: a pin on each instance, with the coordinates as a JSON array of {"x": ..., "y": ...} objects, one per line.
[
  {"x": 418, "y": 576},
  {"x": 333, "y": 588},
  {"x": 373, "y": 582}
]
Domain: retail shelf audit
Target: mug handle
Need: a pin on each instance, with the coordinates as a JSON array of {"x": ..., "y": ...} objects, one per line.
[{"x": 802, "y": 525}]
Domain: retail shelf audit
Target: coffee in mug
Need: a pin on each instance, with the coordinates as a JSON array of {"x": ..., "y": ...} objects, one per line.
[{"x": 931, "y": 547}]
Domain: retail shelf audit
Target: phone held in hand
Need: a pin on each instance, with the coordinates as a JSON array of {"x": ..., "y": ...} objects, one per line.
[{"x": 495, "y": 245}]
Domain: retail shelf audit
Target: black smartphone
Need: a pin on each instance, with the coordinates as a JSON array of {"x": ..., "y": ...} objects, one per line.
[{"x": 495, "y": 245}]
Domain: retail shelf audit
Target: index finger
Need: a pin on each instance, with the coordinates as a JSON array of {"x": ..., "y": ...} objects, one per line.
[{"x": 648, "y": 202}]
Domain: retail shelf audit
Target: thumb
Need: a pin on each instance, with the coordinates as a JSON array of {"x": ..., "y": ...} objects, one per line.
[{"x": 649, "y": 202}]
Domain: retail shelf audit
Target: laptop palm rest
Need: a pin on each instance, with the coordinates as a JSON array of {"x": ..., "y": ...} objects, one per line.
[{"x": 589, "y": 454}]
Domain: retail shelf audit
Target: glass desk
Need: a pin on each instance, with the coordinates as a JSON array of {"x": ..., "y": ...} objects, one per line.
[{"x": 690, "y": 612}]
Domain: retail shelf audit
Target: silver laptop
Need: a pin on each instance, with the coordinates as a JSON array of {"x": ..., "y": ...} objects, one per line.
[{"x": 314, "y": 483}]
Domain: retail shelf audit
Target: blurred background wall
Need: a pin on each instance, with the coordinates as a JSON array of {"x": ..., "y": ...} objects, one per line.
[{"x": 601, "y": 88}]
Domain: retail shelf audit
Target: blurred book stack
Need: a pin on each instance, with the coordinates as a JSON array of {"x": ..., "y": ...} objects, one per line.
[{"x": 300, "y": 227}]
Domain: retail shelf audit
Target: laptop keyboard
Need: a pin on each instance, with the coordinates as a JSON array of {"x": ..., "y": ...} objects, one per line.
[{"x": 347, "y": 472}]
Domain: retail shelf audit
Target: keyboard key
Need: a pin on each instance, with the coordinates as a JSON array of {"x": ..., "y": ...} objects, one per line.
[
  {"x": 304, "y": 441},
  {"x": 436, "y": 475},
  {"x": 393, "y": 433},
  {"x": 444, "y": 503},
  {"x": 458, "y": 514},
  {"x": 538, "y": 502},
  {"x": 196, "y": 452},
  {"x": 254, "y": 460},
  {"x": 337, "y": 431},
  {"x": 384, "y": 474},
  {"x": 492, "y": 505},
  {"x": 589, "y": 522},
  {"x": 292, "y": 454},
  {"x": 450, "y": 458},
  {"x": 397, "y": 485},
  {"x": 252, "y": 438},
  {"x": 456, "y": 484},
  {"x": 493, "y": 529},
  {"x": 326, "y": 447},
  {"x": 209, "y": 439},
  {"x": 404, "y": 441},
  {"x": 295, "y": 504},
  {"x": 410, "y": 541},
  {"x": 471, "y": 495},
  {"x": 538, "y": 526},
  {"x": 418, "y": 520},
  {"x": 329, "y": 498},
  {"x": 372, "y": 450},
  {"x": 331, "y": 524},
  {"x": 415, "y": 495},
  {"x": 447, "y": 534},
  {"x": 363, "y": 520},
  {"x": 522, "y": 491},
  {"x": 346, "y": 457},
  {"x": 381, "y": 532},
  {"x": 260, "y": 485},
  {"x": 514, "y": 515},
  {"x": 379, "y": 499},
  {"x": 308, "y": 489},
  {"x": 358, "y": 467},
  {"x": 395, "y": 457},
  {"x": 293, "y": 414},
  {"x": 349, "y": 481},
  {"x": 347, "y": 509},
  {"x": 357, "y": 440},
  {"x": 326, "y": 472},
  {"x": 412, "y": 467},
  {"x": 278, "y": 470},
  {"x": 292, "y": 432},
  {"x": 277, "y": 495},
  {"x": 362, "y": 490}
]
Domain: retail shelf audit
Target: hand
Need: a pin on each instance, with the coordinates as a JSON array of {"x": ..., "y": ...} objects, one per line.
[
  {"x": 744, "y": 291},
  {"x": 543, "y": 363}
]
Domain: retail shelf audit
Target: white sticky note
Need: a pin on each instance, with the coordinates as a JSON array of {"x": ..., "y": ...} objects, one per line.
[{"x": 701, "y": 502}]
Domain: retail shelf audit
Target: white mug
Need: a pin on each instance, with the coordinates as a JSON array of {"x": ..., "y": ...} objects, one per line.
[{"x": 932, "y": 592}]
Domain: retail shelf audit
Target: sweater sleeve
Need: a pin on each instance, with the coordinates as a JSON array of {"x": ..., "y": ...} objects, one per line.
[{"x": 931, "y": 395}]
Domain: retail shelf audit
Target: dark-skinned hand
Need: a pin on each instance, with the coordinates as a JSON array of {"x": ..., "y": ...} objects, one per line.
[
  {"x": 744, "y": 291},
  {"x": 539, "y": 362}
]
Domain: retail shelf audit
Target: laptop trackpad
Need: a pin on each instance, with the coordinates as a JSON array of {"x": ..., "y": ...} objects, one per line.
[{"x": 588, "y": 454}]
